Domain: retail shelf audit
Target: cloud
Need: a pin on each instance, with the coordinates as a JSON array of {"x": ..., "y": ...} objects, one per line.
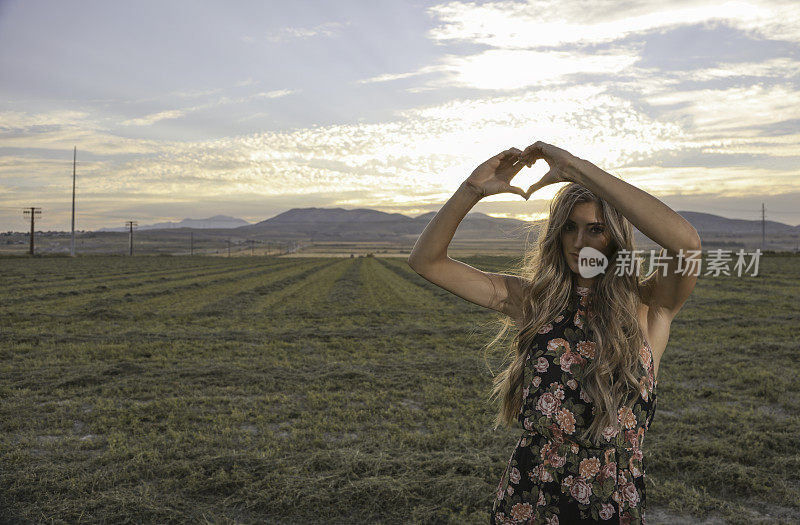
[
  {"x": 733, "y": 111},
  {"x": 278, "y": 93},
  {"x": 62, "y": 130},
  {"x": 287, "y": 34},
  {"x": 169, "y": 114},
  {"x": 776, "y": 68},
  {"x": 552, "y": 23},
  {"x": 423, "y": 154},
  {"x": 156, "y": 117},
  {"x": 545, "y": 43},
  {"x": 727, "y": 182},
  {"x": 515, "y": 69},
  {"x": 399, "y": 76}
]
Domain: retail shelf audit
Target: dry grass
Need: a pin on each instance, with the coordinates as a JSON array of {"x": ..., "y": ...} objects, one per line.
[{"x": 251, "y": 390}]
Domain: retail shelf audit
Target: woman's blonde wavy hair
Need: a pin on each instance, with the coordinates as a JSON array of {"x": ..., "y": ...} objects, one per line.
[{"x": 612, "y": 379}]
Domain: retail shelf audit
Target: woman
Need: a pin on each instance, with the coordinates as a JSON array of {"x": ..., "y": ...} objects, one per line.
[{"x": 582, "y": 374}]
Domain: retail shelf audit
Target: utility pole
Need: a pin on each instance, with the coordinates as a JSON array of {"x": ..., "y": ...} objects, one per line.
[
  {"x": 252, "y": 244},
  {"x": 130, "y": 224},
  {"x": 763, "y": 226},
  {"x": 74, "y": 162},
  {"x": 191, "y": 243},
  {"x": 229, "y": 247},
  {"x": 33, "y": 211}
]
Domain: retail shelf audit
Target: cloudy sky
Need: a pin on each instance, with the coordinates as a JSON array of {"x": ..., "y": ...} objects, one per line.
[{"x": 191, "y": 109}]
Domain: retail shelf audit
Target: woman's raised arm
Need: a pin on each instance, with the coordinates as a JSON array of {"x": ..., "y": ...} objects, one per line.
[
  {"x": 667, "y": 293},
  {"x": 429, "y": 256}
]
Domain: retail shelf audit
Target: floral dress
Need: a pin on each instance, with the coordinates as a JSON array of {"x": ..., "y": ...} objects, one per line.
[{"x": 553, "y": 476}]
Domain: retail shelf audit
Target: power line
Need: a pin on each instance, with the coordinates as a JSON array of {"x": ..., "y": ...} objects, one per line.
[
  {"x": 130, "y": 224},
  {"x": 33, "y": 211},
  {"x": 74, "y": 162}
]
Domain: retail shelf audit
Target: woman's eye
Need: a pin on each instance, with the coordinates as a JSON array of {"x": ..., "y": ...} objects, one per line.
[{"x": 598, "y": 231}]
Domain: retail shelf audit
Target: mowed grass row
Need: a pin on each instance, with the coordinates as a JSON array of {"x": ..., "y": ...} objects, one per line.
[
  {"x": 352, "y": 390},
  {"x": 79, "y": 294},
  {"x": 193, "y": 314},
  {"x": 51, "y": 273}
]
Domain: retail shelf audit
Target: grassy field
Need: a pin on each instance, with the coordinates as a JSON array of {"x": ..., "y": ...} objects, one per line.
[{"x": 347, "y": 390}]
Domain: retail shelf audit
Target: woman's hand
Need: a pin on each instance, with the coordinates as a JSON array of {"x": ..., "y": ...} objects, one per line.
[
  {"x": 494, "y": 176},
  {"x": 563, "y": 165}
]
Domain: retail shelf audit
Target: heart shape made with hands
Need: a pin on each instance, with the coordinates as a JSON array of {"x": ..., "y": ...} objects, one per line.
[
  {"x": 531, "y": 178},
  {"x": 556, "y": 163}
]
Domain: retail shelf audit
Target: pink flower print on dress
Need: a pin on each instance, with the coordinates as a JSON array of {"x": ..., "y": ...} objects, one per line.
[
  {"x": 644, "y": 355},
  {"x": 566, "y": 421},
  {"x": 555, "y": 460},
  {"x": 580, "y": 490},
  {"x": 608, "y": 471},
  {"x": 630, "y": 494},
  {"x": 556, "y": 343},
  {"x": 578, "y": 319},
  {"x": 626, "y": 417},
  {"x": 521, "y": 511},
  {"x": 589, "y": 467},
  {"x": 540, "y": 472},
  {"x": 566, "y": 483},
  {"x": 610, "y": 432},
  {"x": 633, "y": 465},
  {"x": 548, "y": 404},
  {"x": 606, "y": 511},
  {"x": 558, "y": 319},
  {"x": 636, "y": 453},
  {"x": 559, "y": 390},
  {"x": 568, "y": 359},
  {"x": 586, "y": 349},
  {"x": 546, "y": 328},
  {"x": 541, "y": 365}
]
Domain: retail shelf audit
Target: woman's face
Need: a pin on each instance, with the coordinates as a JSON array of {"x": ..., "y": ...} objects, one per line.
[{"x": 584, "y": 227}]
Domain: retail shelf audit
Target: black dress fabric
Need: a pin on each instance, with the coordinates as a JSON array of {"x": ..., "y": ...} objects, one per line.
[{"x": 555, "y": 477}]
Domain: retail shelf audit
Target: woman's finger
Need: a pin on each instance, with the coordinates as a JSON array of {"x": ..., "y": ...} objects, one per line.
[
  {"x": 505, "y": 153},
  {"x": 518, "y": 191}
]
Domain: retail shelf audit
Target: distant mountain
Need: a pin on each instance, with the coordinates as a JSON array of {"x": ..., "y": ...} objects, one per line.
[
  {"x": 217, "y": 221},
  {"x": 337, "y": 224},
  {"x": 321, "y": 224},
  {"x": 708, "y": 223},
  {"x": 334, "y": 215},
  {"x": 365, "y": 225}
]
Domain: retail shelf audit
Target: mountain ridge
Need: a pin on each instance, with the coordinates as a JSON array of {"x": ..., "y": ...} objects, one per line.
[{"x": 317, "y": 223}]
